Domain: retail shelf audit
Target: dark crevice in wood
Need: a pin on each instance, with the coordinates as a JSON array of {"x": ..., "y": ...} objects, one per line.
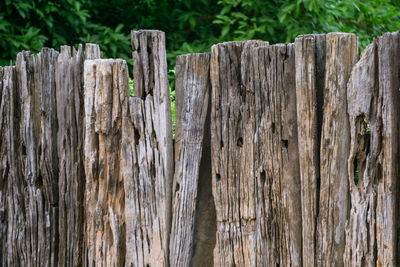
[
  {"x": 263, "y": 177},
  {"x": 285, "y": 143},
  {"x": 239, "y": 142}
]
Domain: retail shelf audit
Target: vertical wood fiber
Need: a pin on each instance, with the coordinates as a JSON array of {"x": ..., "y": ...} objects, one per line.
[
  {"x": 310, "y": 75},
  {"x": 341, "y": 55},
  {"x": 278, "y": 195},
  {"x": 232, "y": 152},
  {"x": 196, "y": 88}
]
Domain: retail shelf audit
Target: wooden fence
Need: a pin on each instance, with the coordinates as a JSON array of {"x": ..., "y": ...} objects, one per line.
[{"x": 284, "y": 155}]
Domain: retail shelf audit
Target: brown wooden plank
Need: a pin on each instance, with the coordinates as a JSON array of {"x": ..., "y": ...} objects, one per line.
[
  {"x": 278, "y": 198},
  {"x": 310, "y": 77},
  {"x": 232, "y": 134},
  {"x": 341, "y": 55}
]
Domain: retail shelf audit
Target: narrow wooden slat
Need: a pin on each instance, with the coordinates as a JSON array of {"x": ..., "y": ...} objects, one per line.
[
  {"x": 310, "y": 75},
  {"x": 387, "y": 211},
  {"x": 106, "y": 84},
  {"x": 4, "y": 166},
  {"x": 147, "y": 155},
  {"x": 70, "y": 141},
  {"x": 232, "y": 134},
  {"x": 365, "y": 147},
  {"x": 278, "y": 201},
  {"x": 196, "y": 88},
  {"x": 341, "y": 55}
]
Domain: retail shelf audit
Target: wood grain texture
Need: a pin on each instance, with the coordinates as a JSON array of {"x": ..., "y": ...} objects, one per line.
[
  {"x": 70, "y": 144},
  {"x": 372, "y": 231},
  {"x": 341, "y": 55},
  {"x": 14, "y": 200},
  {"x": 365, "y": 147},
  {"x": 3, "y": 169},
  {"x": 32, "y": 195},
  {"x": 278, "y": 196},
  {"x": 179, "y": 101},
  {"x": 387, "y": 211},
  {"x": 310, "y": 76},
  {"x": 106, "y": 84},
  {"x": 147, "y": 155},
  {"x": 6, "y": 84},
  {"x": 232, "y": 152},
  {"x": 196, "y": 88}
]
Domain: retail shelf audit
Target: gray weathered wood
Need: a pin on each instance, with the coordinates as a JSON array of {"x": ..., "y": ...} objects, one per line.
[
  {"x": 365, "y": 147},
  {"x": 341, "y": 55},
  {"x": 196, "y": 87},
  {"x": 32, "y": 194},
  {"x": 179, "y": 101},
  {"x": 70, "y": 116},
  {"x": 278, "y": 197},
  {"x": 373, "y": 107},
  {"x": 147, "y": 155},
  {"x": 4, "y": 166},
  {"x": 92, "y": 51},
  {"x": 14, "y": 198},
  {"x": 232, "y": 134},
  {"x": 106, "y": 84},
  {"x": 387, "y": 206},
  {"x": 310, "y": 72}
]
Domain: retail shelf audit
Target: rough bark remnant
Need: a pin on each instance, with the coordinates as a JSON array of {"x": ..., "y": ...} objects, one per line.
[
  {"x": 310, "y": 72},
  {"x": 147, "y": 158},
  {"x": 196, "y": 87},
  {"x": 232, "y": 135},
  {"x": 278, "y": 196},
  {"x": 341, "y": 55},
  {"x": 106, "y": 86}
]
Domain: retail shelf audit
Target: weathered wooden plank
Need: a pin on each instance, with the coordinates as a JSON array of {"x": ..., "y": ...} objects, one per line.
[
  {"x": 387, "y": 211},
  {"x": 106, "y": 84},
  {"x": 365, "y": 147},
  {"x": 14, "y": 196},
  {"x": 44, "y": 97},
  {"x": 196, "y": 87},
  {"x": 4, "y": 167},
  {"x": 147, "y": 159},
  {"x": 278, "y": 197},
  {"x": 70, "y": 115},
  {"x": 341, "y": 55},
  {"x": 32, "y": 192},
  {"x": 373, "y": 107},
  {"x": 310, "y": 75},
  {"x": 232, "y": 132}
]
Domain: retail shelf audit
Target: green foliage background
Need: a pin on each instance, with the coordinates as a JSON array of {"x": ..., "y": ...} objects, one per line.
[{"x": 190, "y": 25}]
